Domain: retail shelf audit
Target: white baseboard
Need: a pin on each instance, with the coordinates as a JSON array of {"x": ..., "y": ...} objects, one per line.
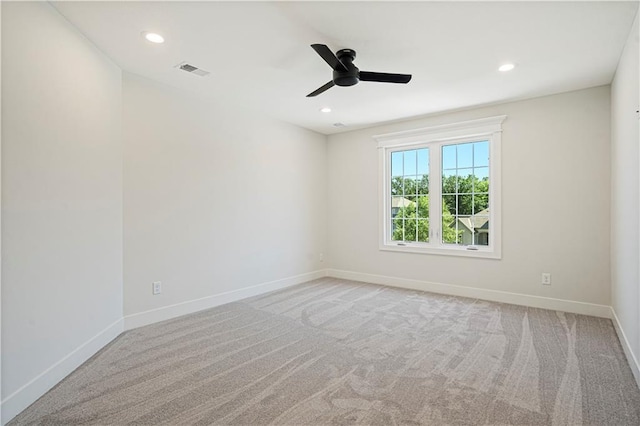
[
  {"x": 626, "y": 347},
  {"x": 30, "y": 392},
  {"x": 479, "y": 293},
  {"x": 172, "y": 311}
]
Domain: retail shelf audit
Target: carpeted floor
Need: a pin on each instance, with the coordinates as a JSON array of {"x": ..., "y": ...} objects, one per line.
[{"x": 341, "y": 352}]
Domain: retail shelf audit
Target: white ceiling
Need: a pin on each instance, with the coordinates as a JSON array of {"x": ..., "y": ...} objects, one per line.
[{"x": 259, "y": 56}]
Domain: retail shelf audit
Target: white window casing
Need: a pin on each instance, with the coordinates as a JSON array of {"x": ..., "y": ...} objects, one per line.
[{"x": 485, "y": 129}]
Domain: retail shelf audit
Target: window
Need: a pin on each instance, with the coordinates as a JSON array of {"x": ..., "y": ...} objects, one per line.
[
  {"x": 440, "y": 189},
  {"x": 410, "y": 195}
]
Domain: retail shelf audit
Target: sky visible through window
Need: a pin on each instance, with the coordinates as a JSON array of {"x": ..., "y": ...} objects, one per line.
[
  {"x": 461, "y": 156},
  {"x": 464, "y": 192}
]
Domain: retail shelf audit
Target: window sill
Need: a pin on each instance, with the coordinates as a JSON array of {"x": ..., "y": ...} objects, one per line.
[{"x": 481, "y": 253}]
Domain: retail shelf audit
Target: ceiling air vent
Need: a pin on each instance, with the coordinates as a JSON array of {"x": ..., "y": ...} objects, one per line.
[{"x": 192, "y": 69}]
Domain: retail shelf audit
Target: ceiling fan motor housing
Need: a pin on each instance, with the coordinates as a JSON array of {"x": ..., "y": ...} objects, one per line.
[
  {"x": 351, "y": 76},
  {"x": 347, "y": 74}
]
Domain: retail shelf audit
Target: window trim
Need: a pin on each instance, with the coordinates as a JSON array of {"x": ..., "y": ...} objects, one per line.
[{"x": 436, "y": 136}]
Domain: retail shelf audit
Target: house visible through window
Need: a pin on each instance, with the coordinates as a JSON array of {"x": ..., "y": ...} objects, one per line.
[
  {"x": 465, "y": 193},
  {"x": 441, "y": 189},
  {"x": 410, "y": 195}
]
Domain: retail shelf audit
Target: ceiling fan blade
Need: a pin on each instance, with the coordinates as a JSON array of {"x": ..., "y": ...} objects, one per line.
[
  {"x": 316, "y": 92},
  {"x": 384, "y": 77},
  {"x": 326, "y": 54}
]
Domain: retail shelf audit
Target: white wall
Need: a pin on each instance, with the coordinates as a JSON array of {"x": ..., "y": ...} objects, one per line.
[
  {"x": 216, "y": 200},
  {"x": 61, "y": 201},
  {"x": 555, "y": 211},
  {"x": 0, "y": 220},
  {"x": 625, "y": 187}
]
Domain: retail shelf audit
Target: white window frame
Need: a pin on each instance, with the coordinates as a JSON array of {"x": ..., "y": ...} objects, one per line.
[{"x": 489, "y": 129}]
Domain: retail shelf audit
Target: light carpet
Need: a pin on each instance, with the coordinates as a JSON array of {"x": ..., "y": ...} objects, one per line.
[{"x": 341, "y": 352}]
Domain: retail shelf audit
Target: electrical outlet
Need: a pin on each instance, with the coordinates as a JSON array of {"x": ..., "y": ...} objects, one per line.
[
  {"x": 546, "y": 278},
  {"x": 157, "y": 287},
  {"x": 321, "y": 257}
]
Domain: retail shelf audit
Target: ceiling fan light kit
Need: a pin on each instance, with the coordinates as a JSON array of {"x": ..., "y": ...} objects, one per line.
[{"x": 346, "y": 74}]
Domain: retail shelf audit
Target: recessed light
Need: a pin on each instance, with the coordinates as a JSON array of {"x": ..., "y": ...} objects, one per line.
[
  {"x": 325, "y": 109},
  {"x": 153, "y": 37},
  {"x": 506, "y": 67}
]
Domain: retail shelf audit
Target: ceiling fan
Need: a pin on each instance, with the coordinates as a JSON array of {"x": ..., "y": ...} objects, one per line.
[{"x": 347, "y": 74}]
